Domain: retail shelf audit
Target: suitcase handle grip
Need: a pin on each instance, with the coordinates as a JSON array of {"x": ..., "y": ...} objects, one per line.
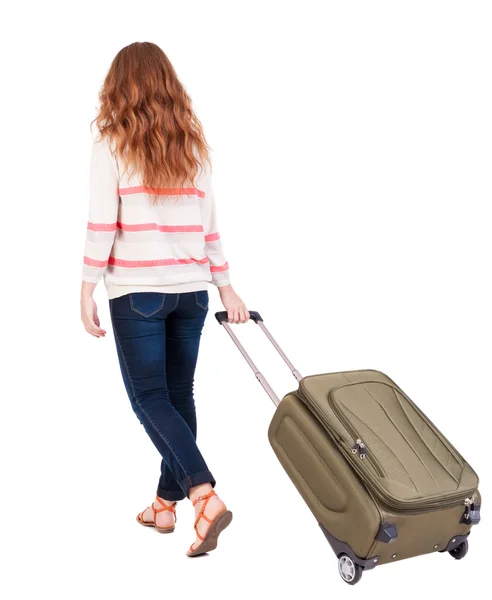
[{"x": 221, "y": 316}]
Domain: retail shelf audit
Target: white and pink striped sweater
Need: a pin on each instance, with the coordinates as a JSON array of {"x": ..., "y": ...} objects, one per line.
[{"x": 171, "y": 246}]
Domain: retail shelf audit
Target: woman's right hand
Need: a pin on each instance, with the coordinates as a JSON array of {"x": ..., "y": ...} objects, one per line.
[
  {"x": 235, "y": 307},
  {"x": 88, "y": 311}
]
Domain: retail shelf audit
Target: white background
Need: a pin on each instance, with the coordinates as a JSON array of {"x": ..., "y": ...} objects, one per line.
[{"x": 352, "y": 151}]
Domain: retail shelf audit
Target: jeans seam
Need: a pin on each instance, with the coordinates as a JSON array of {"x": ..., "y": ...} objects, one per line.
[
  {"x": 124, "y": 361},
  {"x": 176, "y": 305},
  {"x": 164, "y": 439}
]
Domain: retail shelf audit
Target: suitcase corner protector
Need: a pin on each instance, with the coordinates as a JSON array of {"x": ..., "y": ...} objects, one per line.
[{"x": 340, "y": 547}]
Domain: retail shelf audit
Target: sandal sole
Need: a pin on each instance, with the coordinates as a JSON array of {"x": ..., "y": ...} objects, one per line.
[{"x": 210, "y": 541}]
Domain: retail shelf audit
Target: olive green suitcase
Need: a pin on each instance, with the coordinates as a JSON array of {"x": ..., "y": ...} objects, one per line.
[{"x": 381, "y": 480}]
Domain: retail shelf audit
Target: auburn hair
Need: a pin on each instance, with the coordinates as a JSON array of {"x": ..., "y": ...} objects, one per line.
[{"x": 147, "y": 115}]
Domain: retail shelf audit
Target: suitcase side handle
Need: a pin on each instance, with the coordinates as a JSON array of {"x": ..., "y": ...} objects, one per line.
[
  {"x": 255, "y": 316},
  {"x": 221, "y": 316}
]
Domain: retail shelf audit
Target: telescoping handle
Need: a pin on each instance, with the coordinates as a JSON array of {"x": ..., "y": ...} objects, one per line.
[{"x": 256, "y": 317}]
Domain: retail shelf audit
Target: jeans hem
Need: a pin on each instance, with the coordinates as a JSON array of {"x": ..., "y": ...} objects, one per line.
[
  {"x": 187, "y": 483},
  {"x": 170, "y": 495},
  {"x": 196, "y": 479}
]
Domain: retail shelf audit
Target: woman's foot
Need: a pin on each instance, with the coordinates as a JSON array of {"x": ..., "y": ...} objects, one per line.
[
  {"x": 161, "y": 515},
  {"x": 211, "y": 518}
]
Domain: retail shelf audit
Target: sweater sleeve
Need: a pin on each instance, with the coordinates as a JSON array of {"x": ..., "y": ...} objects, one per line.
[
  {"x": 219, "y": 266},
  {"x": 103, "y": 211}
]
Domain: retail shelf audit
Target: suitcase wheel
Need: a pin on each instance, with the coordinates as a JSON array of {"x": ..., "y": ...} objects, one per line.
[
  {"x": 349, "y": 571},
  {"x": 460, "y": 551}
]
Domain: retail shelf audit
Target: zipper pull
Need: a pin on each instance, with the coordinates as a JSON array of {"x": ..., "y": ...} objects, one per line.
[{"x": 359, "y": 448}]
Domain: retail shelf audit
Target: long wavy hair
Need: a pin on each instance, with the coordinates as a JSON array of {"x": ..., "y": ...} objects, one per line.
[{"x": 147, "y": 115}]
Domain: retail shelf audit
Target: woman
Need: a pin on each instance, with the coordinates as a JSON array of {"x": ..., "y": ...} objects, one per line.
[{"x": 152, "y": 235}]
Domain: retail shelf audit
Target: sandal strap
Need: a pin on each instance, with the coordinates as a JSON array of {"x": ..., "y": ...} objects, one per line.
[
  {"x": 201, "y": 514},
  {"x": 206, "y": 497},
  {"x": 204, "y": 516},
  {"x": 163, "y": 508}
]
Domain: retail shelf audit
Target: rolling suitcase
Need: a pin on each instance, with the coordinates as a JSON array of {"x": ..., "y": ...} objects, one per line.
[{"x": 382, "y": 481}]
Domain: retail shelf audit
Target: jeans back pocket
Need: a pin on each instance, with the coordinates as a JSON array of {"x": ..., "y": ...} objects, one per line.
[
  {"x": 201, "y": 298},
  {"x": 147, "y": 304}
]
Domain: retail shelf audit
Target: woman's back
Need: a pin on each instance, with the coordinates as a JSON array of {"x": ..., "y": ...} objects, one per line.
[{"x": 139, "y": 244}]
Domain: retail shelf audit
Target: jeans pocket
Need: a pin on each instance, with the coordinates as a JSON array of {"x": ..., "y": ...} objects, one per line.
[
  {"x": 201, "y": 298},
  {"x": 147, "y": 303}
]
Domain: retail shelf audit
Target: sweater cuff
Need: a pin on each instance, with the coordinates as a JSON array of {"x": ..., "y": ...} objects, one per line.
[
  {"x": 221, "y": 278},
  {"x": 221, "y": 283},
  {"x": 91, "y": 279},
  {"x": 92, "y": 274}
]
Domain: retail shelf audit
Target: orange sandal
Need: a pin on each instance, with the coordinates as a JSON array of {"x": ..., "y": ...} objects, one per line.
[
  {"x": 171, "y": 508},
  {"x": 221, "y": 521}
]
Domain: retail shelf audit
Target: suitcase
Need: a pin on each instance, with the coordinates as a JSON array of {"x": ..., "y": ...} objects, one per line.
[{"x": 381, "y": 480}]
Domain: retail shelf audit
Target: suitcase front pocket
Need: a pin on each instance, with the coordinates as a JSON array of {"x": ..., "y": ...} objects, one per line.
[{"x": 397, "y": 449}]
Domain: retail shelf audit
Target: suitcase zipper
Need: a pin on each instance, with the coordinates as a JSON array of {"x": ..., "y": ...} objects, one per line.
[
  {"x": 359, "y": 447},
  {"x": 366, "y": 475}
]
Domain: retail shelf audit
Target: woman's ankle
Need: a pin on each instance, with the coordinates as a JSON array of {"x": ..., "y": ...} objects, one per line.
[{"x": 199, "y": 490}]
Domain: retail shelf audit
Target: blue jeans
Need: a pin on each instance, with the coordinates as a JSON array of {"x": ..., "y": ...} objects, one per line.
[{"x": 157, "y": 339}]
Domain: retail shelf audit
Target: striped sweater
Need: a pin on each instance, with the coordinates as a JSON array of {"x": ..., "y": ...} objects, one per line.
[{"x": 134, "y": 245}]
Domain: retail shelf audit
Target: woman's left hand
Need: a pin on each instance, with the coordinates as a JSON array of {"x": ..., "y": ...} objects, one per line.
[{"x": 235, "y": 307}]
